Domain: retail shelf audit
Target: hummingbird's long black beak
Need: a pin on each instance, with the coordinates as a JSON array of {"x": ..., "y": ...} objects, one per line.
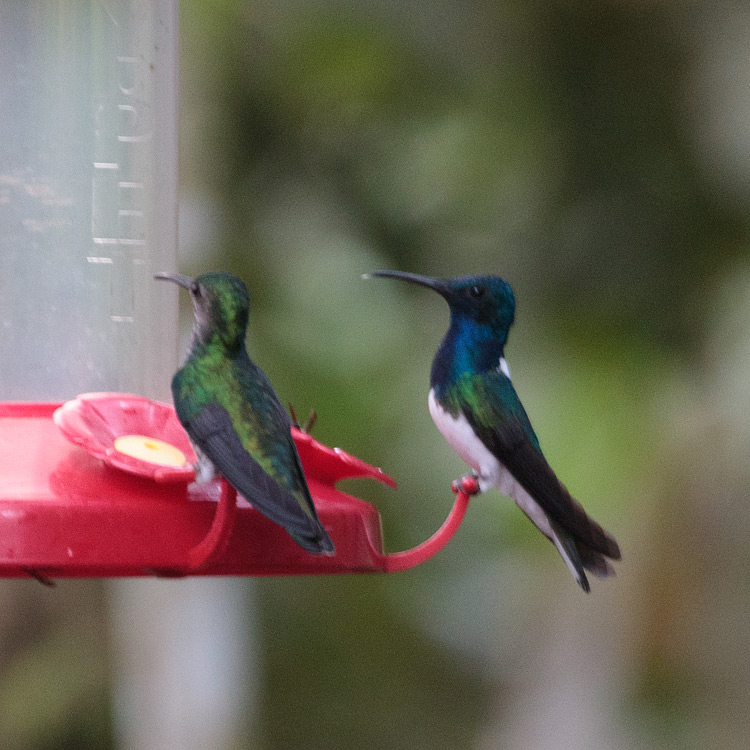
[
  {"x": 183, "y": 281},
  {"x": 437, "y": 284}
]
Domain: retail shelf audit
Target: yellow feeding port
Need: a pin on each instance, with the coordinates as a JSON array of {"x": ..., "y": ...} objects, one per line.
[{"x": 150, "y": 449}]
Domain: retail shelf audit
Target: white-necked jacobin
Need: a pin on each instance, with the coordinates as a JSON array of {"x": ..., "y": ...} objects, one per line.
[
  {"x": 234, "y": 418},
  {"x": 474, "y": 405}
]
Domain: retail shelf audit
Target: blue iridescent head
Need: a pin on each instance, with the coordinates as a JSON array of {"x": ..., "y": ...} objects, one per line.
[
  {"x": 482, "y": 311},
  {"x": 486, "y": 301}
]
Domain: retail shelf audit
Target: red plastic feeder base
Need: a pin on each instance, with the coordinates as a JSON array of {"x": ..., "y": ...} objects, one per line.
[{"x": 85, "y": 510}]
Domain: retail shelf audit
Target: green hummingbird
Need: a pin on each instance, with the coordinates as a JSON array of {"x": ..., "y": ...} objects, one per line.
[
  {"x": 232, "y": 415},
  {"x": 475, "y": 406}
]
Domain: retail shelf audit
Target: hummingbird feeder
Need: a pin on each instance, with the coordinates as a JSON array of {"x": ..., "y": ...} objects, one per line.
[{"x": 102, "y": 486}]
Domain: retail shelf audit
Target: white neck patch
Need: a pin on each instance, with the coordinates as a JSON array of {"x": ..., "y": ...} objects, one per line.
[{"x": 502, "y": 367}]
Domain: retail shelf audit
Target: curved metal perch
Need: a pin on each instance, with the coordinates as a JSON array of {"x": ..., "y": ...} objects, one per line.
[
  {"x": 213, "y": 544},
  {"x": 396, "y": 561}
]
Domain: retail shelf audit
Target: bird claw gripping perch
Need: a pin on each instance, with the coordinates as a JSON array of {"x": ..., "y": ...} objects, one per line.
[{"x": 468, "y": 485}]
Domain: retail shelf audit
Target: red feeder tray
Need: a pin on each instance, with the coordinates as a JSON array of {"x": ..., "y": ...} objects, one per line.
[{"x": 91, "y": 506}]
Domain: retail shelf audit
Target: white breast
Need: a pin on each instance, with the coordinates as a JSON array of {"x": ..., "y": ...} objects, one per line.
[
  {"x": 490, "y": 472},
  {"x": 459, "y": 434}
]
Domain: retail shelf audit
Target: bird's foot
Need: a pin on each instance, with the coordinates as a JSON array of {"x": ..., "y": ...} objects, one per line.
[
  {"x": 469, "y": 485},
  {"x": 204, "y": 470}
]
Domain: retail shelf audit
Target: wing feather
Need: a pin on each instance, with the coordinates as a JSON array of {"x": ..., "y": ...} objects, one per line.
[
  {"x": 504, "y": 428},
  {"x": 212, "y": 430}
]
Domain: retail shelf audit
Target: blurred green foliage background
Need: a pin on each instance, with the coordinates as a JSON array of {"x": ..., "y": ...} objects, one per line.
[{"x": 596, "y": 155}]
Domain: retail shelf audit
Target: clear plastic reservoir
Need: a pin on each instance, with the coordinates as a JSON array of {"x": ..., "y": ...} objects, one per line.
[{"x": 88, "y": 206}]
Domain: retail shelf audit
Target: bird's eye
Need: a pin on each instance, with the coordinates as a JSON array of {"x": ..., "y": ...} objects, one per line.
[
  {"x": 195, "y": 288},
  {"x": 476, "y": 291}
]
